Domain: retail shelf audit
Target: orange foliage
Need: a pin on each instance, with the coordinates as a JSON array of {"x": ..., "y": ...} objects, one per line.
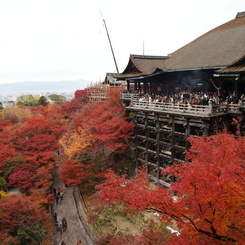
[
  {"x": 113, "y": 96},
  {"x": 75, "y": 143}
]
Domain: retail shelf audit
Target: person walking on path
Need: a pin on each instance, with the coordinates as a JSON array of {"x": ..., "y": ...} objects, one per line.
[
  {"x": 57, "y": 199},
  {"x": 60, "y": 228},
  {"x": 61, "y": 195},
  {"x": 56, "y": 225},
  {"x": 55, "y": 216},
  {"x": 64, "y": 224}
]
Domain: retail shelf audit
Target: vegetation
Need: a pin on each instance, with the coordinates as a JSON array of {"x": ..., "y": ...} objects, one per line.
[
  {"x": 97, "y": 135},
  {"x": 57, "y": 97},
  {"x": 29, "y": 135},
  {"x": 208, "y": 200},
  {"x": 28, "y": 100},
  {"x": 92, "y": 143}
]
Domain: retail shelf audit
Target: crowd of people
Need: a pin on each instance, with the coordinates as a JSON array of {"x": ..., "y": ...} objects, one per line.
[
  {"x": 62, "y": 226},
  {"x": 194, "y": 98}
]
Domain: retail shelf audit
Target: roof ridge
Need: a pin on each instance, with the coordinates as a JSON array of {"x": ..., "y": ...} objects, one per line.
[{"x": 138, "y": 56}]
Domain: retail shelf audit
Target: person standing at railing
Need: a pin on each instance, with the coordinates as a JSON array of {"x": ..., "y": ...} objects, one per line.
[
  {"x": 150, "y": 99},
  {"x": 210, "y": 104},
  {"x": 242, "y": 100}
]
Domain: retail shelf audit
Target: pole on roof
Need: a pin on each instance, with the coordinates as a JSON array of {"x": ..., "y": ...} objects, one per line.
[
  {"x": 110, "y": 44},
  {"x": 143, "y": 47}
]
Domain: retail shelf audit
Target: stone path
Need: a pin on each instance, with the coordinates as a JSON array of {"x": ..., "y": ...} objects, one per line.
[{"x": 67, "y": 208}]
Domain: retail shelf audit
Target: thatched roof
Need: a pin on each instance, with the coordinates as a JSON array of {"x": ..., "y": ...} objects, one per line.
[{"x": 218, "y": 48}]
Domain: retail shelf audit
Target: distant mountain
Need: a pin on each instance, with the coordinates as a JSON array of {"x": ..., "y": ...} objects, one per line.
[{"x": 44, "y": 86}]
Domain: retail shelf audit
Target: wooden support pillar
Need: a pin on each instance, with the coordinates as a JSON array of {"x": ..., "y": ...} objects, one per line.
[
  {"x": 172, "y": 138},
  {"x": 187, "y": 132},
  {"x": 145, "y": 87},
  {"x": 146, "y": 142},
  {"x": 173, "y": 154},
  {"x": 138, "y": 86},
  {"x": 135, "y": 85},
  {"x": 205, "y": 128},
  {"x": 158, "y": 148},
  {"x": 136, "y": 143},
  {"x": 128, "y": 85},
  {"x": 236, "y": 88}
]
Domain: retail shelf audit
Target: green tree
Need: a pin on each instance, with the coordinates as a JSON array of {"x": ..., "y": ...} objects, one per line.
[
  {"x": 3, "y": 184},
  {"x": 57, "y": 97},
  {"x": 28, "y": 100},
  {"x": 43, "y": 101},
  {"x": 31, "y": 234}
]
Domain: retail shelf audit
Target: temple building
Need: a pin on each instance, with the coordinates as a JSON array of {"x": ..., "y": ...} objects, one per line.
[{"x": 194, "y": 91}]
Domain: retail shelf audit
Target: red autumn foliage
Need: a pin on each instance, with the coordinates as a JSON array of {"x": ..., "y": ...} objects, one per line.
[
  {"x": 38, "y": 135},
  {"x": 107, "y": 132},
  {"x": 81, "y": 96},
  {"x": 113, "y": 96},
  {"x": 21, "y": 178},
  {"x": 106, "y": 124},
  {"x": 17, "y": 211},
  {"x": 6, "y": 145},
  {"x": 73, "y": 172},
  {"x": 5, "y": 152},
  {"x": 208, "y": 207},
  {"x": 67, "y": 109},
  {"x": 29, "y": 176}
]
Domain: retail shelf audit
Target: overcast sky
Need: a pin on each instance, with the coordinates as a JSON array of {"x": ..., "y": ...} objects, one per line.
[{"x": 52, "y": 40}]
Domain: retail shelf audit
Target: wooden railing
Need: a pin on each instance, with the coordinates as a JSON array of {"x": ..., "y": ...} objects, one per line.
[
  {"x": 194, "y": 110},
  {"x": 199, "y": 110},
  {"x": 235, "y": 108},
  {"x": 172, "y": 108},
  {"x": 129, "y": 96}
]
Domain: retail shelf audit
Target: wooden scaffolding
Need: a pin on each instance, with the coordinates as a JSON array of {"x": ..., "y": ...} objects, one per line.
[{"x": 98, "y": 93}]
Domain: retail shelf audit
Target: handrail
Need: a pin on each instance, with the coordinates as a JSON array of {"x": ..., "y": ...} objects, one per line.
[
  {"x": 172, "y": 108},
  {"x": 129, "y": 96},
  {"x": 197, "y": 110}
]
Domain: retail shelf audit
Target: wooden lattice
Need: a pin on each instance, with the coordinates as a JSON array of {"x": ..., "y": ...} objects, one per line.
[{"x": 98, "y": 93}]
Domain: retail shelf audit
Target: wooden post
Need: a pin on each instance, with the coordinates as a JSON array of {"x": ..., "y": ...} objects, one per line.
[
  {"x": 158, "y": 148},
  {"x": 146, "y": 142},
  {"x": 187, "y": 132},
  {"x": 136, "y": 144},
  {"x": 172, "y": 139}
]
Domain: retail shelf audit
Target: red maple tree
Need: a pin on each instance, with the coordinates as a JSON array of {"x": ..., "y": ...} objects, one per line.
[
  {"x": 18, "y": 213},
  {"x": 98, "y": 133},
  {"x": 208, "y": 201}
]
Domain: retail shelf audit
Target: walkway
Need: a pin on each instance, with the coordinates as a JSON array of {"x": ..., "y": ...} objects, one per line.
[{"x": 67, "y": 208}]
